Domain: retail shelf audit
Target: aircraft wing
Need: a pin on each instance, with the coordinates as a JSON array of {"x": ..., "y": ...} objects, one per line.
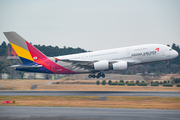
[
  {"x": 88, "y": 64},
  {"x": 79, "y": 63},
  {"x": 93, "y": 61}
]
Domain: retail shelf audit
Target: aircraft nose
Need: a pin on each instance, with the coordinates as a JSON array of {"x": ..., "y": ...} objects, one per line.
[{"x": 175, "y": 53}]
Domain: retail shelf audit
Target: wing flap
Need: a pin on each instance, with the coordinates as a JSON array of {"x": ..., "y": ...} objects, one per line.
[{"x": 77, "y": 60}]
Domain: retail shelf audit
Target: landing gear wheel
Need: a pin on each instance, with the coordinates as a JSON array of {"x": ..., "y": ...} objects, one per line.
[
  {"x": 89, "y": 76},
  {"x": 97, "y": 76},
  {"x": 167, "y": 66},
  {"x": 103, "y": 75}
]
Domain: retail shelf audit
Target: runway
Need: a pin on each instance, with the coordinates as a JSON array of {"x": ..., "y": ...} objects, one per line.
[
  {"x": 88, "y": 93},
  {"x": 77, "y": 113}
]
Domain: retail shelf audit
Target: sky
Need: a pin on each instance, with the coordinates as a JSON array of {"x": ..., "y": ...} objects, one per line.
[{"x": 92, "y": 24}]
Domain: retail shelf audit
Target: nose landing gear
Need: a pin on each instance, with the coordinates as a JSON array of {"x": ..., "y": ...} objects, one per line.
[
  {"x": 97, "y": 76},
  {"x": 167, "y": 65}
]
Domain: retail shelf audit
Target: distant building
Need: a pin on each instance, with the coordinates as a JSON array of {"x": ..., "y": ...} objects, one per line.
[
  {"x": 4, "y": 76},
  {"x": 138, "y": 73}
]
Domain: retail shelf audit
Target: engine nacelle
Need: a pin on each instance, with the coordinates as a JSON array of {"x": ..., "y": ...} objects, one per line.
[
  {"x": 101, "y": 65},
  {"x": 121, "y": 65}
]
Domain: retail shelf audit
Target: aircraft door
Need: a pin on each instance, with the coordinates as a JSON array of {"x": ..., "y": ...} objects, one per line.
[
  {"x": 83, "y": 57},
  {"x": 167, "y": 53},
  {"x": 163, "y": 52},
  {"x": 128, "y": 52},
  {"x": 53, "y": 68}
]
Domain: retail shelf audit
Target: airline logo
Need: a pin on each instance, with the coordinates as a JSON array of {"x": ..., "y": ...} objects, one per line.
[
  {"x": 157, "y": 49},
  {"x": 35, "y": 58},
  {"x": 56, "y": 60}
]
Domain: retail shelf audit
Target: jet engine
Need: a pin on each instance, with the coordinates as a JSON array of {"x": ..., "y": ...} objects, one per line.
[
  {"x": 101, "y": 65},
  {"x": 121, "y": 65}
]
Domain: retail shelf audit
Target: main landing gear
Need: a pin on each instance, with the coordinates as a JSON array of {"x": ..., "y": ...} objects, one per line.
[
  {"x": 167, "y": 65},
  {"x": 97, "y": 76}
]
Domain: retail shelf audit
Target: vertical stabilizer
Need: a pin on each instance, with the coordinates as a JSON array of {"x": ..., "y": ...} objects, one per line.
[{"x": 26, "y": 52}]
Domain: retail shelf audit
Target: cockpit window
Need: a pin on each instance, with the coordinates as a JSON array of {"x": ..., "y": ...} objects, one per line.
[{"x": 170, "y": 49}]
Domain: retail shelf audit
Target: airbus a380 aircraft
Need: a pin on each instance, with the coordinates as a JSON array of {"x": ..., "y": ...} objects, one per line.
[{"x": 90, "y": 62}]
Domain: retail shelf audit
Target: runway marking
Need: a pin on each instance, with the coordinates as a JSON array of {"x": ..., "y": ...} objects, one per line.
[
  {"x": 103, "y": 98},
  {"x": 33, "y": 87}
]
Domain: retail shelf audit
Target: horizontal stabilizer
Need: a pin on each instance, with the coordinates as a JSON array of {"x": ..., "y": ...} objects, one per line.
[{"x": 25, "y": 66}]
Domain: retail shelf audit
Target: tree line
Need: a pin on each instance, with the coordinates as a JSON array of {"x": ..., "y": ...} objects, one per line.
[
  {"x": 49, "y": 51},
  {"x": 56, "y": 51}
]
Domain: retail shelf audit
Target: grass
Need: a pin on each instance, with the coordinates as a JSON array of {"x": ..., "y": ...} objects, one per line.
[
  {"x": 23, "y": 81},
  {"x": 147, "y": 102},
  {"x": 16, "y": 87}
]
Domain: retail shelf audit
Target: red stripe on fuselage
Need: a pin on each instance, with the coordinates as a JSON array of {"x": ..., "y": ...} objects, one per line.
[{"x": 41, "y": 59}]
